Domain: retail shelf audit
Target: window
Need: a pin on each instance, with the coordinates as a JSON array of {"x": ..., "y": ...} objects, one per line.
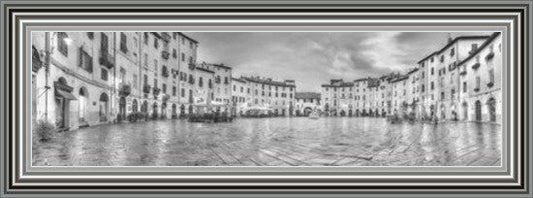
[
  {"x": 190, "y": 60},
  {"x": 464, "y": 87},
  {"x": 123, "y": 42},
  {"x": 491, "y": 75},
  {"x": 423, "y": 88},
  {"x": 62, "y": 45},
  {"x": 164, "y": 88},
  {"x": 182, "y": 92},
  {"x": 200, "y": 82},
  {"x": 103, "y": 44},
  {"x": 156, "y": 43},
  {"x": 174, "y": 91},
  {"x": 90, "y": 35},
  {"x": 174, "y": 53},
  {"x": 452, "y": 52},
  {"x": 442, "y": 95},
  {"x": 183, "y": 57},
  {"x": 234, "y": 88},
  {"x": 155, "y": 67},
  {"x": 478, "y": 82},
  {"x": 442, "y": 58},
  {"x": 474, "y": 47},
  {"x": 432, "y": 86},
  {"x": 135, "y": 81},
  {"x": 103, "y": 74},
  {"x": 85, "y": 61},
  {"x": 432, "y": 71},
  {"x": 146, "y": 38},
  {"x": 145, "y": 60}
]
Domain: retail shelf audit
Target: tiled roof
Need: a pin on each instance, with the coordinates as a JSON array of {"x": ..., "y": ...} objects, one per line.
[
  {"x": 306, "y": 95},
  {"x": 267, "y": 81}
]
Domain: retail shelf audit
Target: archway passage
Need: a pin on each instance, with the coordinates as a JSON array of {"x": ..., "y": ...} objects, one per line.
[
  {"x": 307, "y": 111},
  {"x": 63, "y": 96},
  {"x": 357, "y": 113},
  {"x": 122, "y": 109},
  {"x": 491, "y": 104},
  {"x": 478, "y": 110}
]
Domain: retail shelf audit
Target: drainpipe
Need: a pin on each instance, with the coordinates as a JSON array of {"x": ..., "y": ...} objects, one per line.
[
  {"x": 47, "y": 71},
  {"x": 114, "y": 75}
]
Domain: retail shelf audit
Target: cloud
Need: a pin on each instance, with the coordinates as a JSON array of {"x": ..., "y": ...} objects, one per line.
[{"x": 312, "y": 58}]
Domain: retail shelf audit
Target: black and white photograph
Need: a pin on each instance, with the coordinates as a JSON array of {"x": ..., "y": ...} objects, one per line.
[{"x": 340, "y": 98}]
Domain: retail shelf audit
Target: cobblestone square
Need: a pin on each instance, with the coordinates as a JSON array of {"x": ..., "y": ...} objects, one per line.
[{"x": 300, "y": 141}]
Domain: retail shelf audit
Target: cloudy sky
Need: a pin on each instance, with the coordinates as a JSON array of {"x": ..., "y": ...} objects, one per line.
[{"x": 312, "y": 58}]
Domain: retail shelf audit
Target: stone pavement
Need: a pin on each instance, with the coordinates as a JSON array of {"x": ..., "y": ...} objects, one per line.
[{"x": 275, "y": 142}]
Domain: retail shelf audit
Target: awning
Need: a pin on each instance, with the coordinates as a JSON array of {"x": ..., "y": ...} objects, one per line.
[{"x": 65, "y": 94}]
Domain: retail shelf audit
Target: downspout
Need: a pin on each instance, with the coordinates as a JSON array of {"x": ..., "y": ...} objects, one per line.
[
  {"x": 47, "y": 71},
  {"x": 113, "y": 102}
]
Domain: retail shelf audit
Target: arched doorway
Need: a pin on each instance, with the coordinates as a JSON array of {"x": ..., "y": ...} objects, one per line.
[
  {"x": 190, "y": 109},
  {"x": 377, "y": 113},
  {"x": 442, "y": 112},
  {"x": 174, "y": 111},
  {"x": 383, "y": 113},
  {"x": 357, "y": 113},
  {"x": 164, "y": 110},
  {"x": 63, "y": 96},
  {"x": 121, "y": 108},
  {"x": 350, "y": 113},
  {"x": 103, "y": 107},
  {"x": 182, "y": 110},
  {"x": 491, "y": 104},
  {"x": 84, "y": 95},
  {"x": 465, "y": 111},
  {"x": 134, "y": 106},
  {"x": 369, "y": 112},
  {"x": 343, "y": 113},
  {"x": 144, "y": 107},
  {"x": 154, "y": 110},
  {"x": 478, "y": 110}
]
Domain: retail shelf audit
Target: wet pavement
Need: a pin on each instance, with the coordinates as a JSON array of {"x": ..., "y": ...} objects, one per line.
[{"x": 339, "y": 141}]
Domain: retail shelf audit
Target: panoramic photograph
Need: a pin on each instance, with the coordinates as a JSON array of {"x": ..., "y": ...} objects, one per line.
[{"x": 266, "y": 99}]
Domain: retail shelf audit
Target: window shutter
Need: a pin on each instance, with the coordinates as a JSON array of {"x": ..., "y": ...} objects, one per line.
[{"x": 80, "y": 57}]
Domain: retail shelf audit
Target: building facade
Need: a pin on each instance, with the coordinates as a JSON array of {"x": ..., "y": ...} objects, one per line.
[
  {"x": 91, "y": 78},
  {"x": 275, "y": 95},
  {"x": 306, "y": 103}
]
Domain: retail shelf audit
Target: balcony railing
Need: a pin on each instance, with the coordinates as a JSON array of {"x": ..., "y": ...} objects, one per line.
[
  {"x": 475, "y": 66},
  {"x": 107, "y": 60},
  {"x": 490, "y": 84}
]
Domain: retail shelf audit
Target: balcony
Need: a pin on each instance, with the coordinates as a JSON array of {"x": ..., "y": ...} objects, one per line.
[
  {"x": 107, "y": 60},
  {"x": 475, "y": 66},
  {"x": 476, "y": 89},
  {"x": 124, "y": 90},
  {"x": 165, "y": 54},
  {"x": 156, "y": 91},
  {"x": 192, "y": 66},
  {"x": 146, "y": 89},
  {"x": 463, "y": 73},
  {"x": 490, "y": 84},
  {"x": 489, "y": 56}
]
